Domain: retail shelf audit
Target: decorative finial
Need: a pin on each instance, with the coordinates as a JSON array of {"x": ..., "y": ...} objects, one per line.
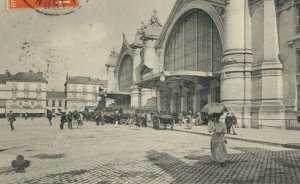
[
  {"x": 227, "y": 2},
  {"x": 154, "y": 19}
]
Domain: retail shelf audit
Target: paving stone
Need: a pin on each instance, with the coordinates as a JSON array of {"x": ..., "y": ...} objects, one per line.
[{"x": 103, "y": 154}]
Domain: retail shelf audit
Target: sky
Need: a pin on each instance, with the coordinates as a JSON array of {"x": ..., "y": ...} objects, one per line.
[{"x": 78, "y": 43}]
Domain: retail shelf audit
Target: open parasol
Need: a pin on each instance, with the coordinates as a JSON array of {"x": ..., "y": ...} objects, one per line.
[{"x": 213, "y": 108}]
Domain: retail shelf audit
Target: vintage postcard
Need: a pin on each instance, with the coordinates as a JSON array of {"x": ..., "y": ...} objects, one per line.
[{"x": 149, "y": 91}]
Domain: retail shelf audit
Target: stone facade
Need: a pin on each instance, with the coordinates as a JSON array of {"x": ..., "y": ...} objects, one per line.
[
  {"x": 56, "y": 101},
  {"x": 244, "y": 54},
  {"x": 26, "y": 93},
  {"x": 82, "y": 92},
  {"x": 139, "y": 57}
]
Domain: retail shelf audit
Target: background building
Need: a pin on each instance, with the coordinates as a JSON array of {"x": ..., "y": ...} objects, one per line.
[
  {"x": 3, "y": 93},
  {"x": 56, "y": 101},
  {"x": 82, "y": 92},
  {"x": 26, "y": 93},
  {"x": 125, "y": 69}
]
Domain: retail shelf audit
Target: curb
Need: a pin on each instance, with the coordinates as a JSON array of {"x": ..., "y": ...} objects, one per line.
[{"x": 245, "y": 140}]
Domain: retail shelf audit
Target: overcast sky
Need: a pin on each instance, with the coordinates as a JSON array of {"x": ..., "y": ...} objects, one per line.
[{"x": 78, "y": 43}]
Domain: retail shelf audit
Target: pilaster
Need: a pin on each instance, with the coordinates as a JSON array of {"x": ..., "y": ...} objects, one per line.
[
  {"x": 135, "y": 96},
  {"x": 267, "y": 107},
  {"x": 148, "y": 98},
  {"x": 236, "y": 61},
  {"x": 136, "y": 62},
  {"x": 184, "y": 91}
]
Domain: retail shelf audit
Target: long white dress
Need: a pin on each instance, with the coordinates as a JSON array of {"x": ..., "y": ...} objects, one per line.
[{"x": 218, "y": 147}]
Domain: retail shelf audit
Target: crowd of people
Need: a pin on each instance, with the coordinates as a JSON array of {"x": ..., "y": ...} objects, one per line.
[{"x": 74, "y": 119}]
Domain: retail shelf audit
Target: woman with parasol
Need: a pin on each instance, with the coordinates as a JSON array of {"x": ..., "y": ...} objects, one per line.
[{"x": 218, "y": 130}]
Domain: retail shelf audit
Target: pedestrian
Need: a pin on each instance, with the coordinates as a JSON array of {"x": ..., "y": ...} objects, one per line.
[
  {"x": 75, "y": 118},
  {"x": 69, "y": 118},
  {"x": 205, "y": 118},
  {"x": 26, "y": 116},
  {"x": 180, "y": 118},
  {"x": 102, "y": 118},
  {"x": 218, "y": 147},
  {"x": 190, "y": 120},
  {"x": 228, "y": 122},
  {"x": 98, "y": 119},
  {"x": 198, "y": 118},
  {"x": 234, "y": 123},
  {"x": 11, "y": 119},
  {"x": 50, "y": 115},
  {"x": 116, "y": 118},
  {"x": 63, "y": 120}
]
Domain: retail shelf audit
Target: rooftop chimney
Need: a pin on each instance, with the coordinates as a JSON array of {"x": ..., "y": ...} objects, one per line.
[{"x": 7, "y": 73}]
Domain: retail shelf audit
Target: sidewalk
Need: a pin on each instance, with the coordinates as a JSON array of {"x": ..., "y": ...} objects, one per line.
[{"x": 271, "y": 136}]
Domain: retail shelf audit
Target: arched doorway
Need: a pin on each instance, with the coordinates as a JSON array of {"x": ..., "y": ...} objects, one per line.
[{"x": 193, "y": 48}]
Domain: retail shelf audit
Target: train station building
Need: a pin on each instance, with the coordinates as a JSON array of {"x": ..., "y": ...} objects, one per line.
[{"x": 243, "y": 53}]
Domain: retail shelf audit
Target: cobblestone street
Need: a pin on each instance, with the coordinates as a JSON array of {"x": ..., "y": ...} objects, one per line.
[{"x": 105, "y": 154}]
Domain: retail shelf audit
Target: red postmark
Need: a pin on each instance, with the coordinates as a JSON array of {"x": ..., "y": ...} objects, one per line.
[{"x": 41, "y": 4}]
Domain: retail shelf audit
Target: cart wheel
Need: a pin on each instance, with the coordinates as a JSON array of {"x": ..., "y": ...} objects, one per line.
[{"x": 123, "y": 121}]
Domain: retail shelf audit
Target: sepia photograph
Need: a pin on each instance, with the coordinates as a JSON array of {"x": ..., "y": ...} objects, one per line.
[{"x": 150, "y": 91}]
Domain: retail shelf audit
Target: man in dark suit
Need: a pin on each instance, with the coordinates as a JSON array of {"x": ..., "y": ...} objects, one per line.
[
  {"x": 11, "y": 119},
  {"x": 50, "y": 117},
  {"x": 63, "y": 120},
  {"x": 228, "y": 122}
]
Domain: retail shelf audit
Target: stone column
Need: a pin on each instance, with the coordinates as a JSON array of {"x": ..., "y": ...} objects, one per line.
[
  {"x": 135, "y": 96},
  {"x": 196, "y": 98},
  {"x": 267, "y": 69},
  {"x": 184, "y": 91},
  {"x": 172, "y": 101},
  {"x": 236, "y": 61},
  {"x": 148, "y": 98},
  {"x": 158, "y": 100}
]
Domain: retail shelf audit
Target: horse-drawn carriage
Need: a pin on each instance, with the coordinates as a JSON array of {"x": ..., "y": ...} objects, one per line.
[
  {"x": 127, "y": 116},
  {"x": 164, "y": 121}
]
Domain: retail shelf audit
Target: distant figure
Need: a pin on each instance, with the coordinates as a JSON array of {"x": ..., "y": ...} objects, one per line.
[
  {"x": 205, "y": 118},
  {"x": 63, "y": 120},
  {"x": 117, "y": 118},
  {"x": 26, "y": 116},
  {"x": 50, "y": 115},
  {"x": 75, "y": 118},
  {"x": 234, "y": 123},
  {"x": 228, "y": 122},
  {"x": 11, "y": 119},
  {"x": 69, "y": 119},
  {"x": 180, "y": 118},
  {"x": 198, "y": 118},
  {"x": 190, "y": 120},
  {"x": 98, "y": 118}
]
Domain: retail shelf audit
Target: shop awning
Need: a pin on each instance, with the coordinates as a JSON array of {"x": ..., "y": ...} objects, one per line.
[{"x": 166, "y": 78}]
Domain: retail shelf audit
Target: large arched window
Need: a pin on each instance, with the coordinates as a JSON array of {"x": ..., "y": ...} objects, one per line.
[
  {"x": 194, "y": 44},
  {"x": 125, "y": 74}
]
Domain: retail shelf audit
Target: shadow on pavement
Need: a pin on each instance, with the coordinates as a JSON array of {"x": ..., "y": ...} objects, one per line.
[{"x": 253, "y": 165}]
